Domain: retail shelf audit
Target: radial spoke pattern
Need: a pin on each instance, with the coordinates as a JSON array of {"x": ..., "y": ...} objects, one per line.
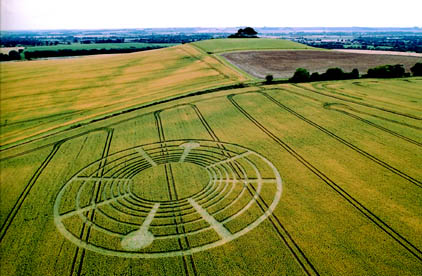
[{"x": 123, "y": 223}]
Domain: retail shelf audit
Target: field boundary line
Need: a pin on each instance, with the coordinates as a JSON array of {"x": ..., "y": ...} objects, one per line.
[
  {"x": 358, "y": 103},
  {"x": 207, "y": 63},
  {"x": 227, "y": 63},
  {"x": 355, "y": 203},
  {"x": 26, "y": 190}
]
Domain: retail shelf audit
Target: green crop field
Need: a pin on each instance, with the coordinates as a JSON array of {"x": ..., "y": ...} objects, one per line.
[
  {"x": 238, "y": 44},
  {"x": 78, "y": 46},
  {"x": 321, "y": 178}
]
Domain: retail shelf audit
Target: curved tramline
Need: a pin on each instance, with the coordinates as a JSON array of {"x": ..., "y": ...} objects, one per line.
[
  {"x": 356, "y": 204},
  {"x": 410, "y": 116},
  {"x": 349, "y": 111},
  {"x": 348, "y": 144},
  {"x": 118, "y": 180}
]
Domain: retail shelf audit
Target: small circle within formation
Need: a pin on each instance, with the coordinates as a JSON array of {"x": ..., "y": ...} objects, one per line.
[{"x": 153, "y": 201}]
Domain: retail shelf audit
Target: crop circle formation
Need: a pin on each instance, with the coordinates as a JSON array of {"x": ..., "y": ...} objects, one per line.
[{"x": 167, "y": 199}]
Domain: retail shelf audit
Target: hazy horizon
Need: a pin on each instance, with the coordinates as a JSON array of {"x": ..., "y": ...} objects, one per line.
[
  {"x": 211, "y": 27},
  {"x": 127, "y": 14}
]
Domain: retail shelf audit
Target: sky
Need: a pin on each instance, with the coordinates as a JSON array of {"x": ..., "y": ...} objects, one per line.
[{"x": 114, "y": 14}]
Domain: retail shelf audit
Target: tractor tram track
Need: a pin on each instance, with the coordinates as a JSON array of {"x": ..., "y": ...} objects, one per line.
[
  {"x": 188, "y": 261},
  {"x": 27, "y": 189},
  {"x": 337, "y": 108},
  {"x": 344, "y": 142},
  {"x": 378, "y": 222},
  {"x": 78, "y": 259},
  {"x": 410, "y": 116},
  {"x": 295, "y": 250},
  {"x": 327, "y": 105}
]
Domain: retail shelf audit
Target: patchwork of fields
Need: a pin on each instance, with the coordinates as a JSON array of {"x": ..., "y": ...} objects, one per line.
[{"x": 321, "y": 178}]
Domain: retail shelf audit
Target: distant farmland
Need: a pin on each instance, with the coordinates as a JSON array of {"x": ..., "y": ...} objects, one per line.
[
  {"x": 321, "y": 178},
  {"x": 282, "y": 64}
]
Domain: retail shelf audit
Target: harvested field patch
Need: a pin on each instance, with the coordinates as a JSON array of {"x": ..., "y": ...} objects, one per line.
[
  {"x": 377, "y": 52},
  {"x": 6, "y": 50},
  {"x": 282, "y": 64}
]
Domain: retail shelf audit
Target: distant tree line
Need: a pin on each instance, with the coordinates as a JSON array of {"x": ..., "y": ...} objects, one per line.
[
  {"x": 82, "y": 52},
  {"x": 384, "y": 71},
  {"x": 302, "y": 75},
  {"x": 17, "y": 40},
  {"x": 11, "y": 41},
  {"x": 102, "y": 41},
  {"x": 175, "y": 38},
  {"x": 14, "y": 55},
  {"x": 110, "y": 40},
  {"x": 403, "y": 43}
]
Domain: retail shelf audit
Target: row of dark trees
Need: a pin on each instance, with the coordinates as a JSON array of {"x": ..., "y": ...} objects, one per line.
[
  {"x": 387, "y": 71},
  {"x": 384, "y": 71},
  {"x": 81, "y": 52},
  {"x": 302, "y": 75},
  {"x": 14, "y": 55},
  {"x": 17, "y": 40}
]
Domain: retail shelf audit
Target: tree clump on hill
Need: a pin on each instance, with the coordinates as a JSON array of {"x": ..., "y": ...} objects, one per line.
[
  {"x": 301, "y": 75},
  {"x": 269, "y": 78},
  {"x": 247, "y": 32},
  {"x": 333, "y": 74},
  {"x": 417, "y": 69},
  {"x": 386, "y": 71}
]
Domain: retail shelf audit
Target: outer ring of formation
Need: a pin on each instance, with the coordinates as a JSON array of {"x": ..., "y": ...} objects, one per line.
[{"x": 100, "y": 198}]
